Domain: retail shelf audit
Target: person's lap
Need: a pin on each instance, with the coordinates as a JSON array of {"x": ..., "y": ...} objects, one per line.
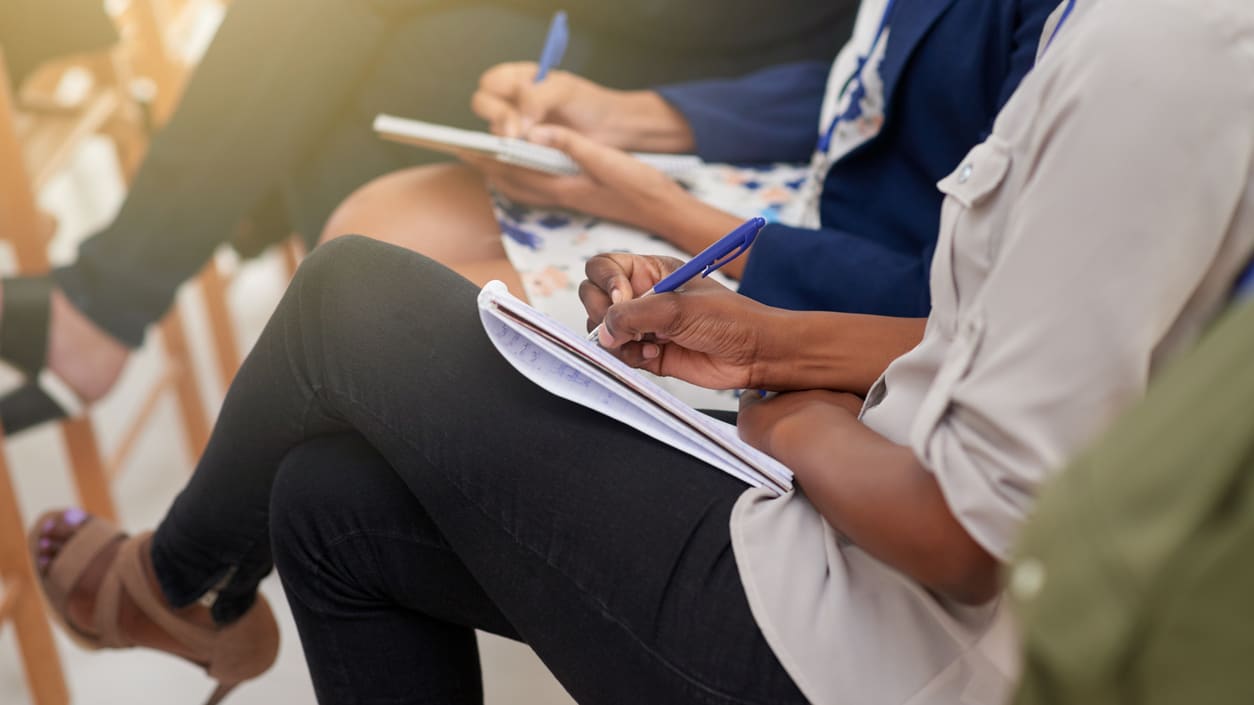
[
  {"x": 606, "y": 551},
  {"x": 625, "y": 598}
]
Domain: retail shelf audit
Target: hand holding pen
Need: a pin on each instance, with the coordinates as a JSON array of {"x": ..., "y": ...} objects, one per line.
[
  {"x": 512, "y": 97},
  {"x": 708, "y": 261},
  {"x": 708, "y": 334}
]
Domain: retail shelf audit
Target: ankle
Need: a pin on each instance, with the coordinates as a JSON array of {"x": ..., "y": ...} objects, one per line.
[
  {"x": 195, "y": 613},
  {"x": 81, "y": 353}
]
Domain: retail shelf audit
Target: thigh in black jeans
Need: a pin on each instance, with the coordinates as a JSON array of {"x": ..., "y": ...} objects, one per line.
[{"x": 465, "y": 497}]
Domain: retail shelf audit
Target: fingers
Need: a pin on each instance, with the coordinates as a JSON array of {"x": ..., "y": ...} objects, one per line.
[
  {"x": 601, "y": 162},
  {"x": 506, "y": 80},
  {"x": 528, "y": 186},
  {"x": 496, "y": 100},
  {"x": 631, "y": 321},
  {"x": 536, "y": 101},
  {"x": 512, "y": 102},
  {"x": 502, "y": 117},
  {"x": 621, "y": 276},
  {"x": 596, "y": 301},
  {"x": 611, "y": 274}
]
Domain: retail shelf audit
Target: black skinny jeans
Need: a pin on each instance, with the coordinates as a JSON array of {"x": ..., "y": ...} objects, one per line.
[{"x": 463, "y": 496}]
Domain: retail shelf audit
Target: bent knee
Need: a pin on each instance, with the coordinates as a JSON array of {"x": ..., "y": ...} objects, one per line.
[
  {"x": 383, "y": 207},
  {"x": 321, "y": 492}
]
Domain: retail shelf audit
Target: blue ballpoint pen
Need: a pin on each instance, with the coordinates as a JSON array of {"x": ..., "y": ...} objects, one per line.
[
  {"x": 554, "y": 45},
  {"x": 728, "y": 248}
]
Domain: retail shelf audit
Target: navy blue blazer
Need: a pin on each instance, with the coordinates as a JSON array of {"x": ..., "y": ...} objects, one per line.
[{"x": 949, "y": 67}]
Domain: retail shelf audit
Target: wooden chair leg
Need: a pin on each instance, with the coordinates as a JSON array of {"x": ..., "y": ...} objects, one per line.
[
  {"x": 154, "y": 60},
  {"x": 22, "y": 223},
  {"x": 191, "y": 405},
  {"x": 213, "y": 286},
  {"x": 87, "y": 464},
  {"x": 23, "y": 604}
]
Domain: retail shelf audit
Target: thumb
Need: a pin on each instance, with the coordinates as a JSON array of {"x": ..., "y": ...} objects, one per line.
[
  {"x": 660, "y": 314},
  {"x": 591, "y": 156}
]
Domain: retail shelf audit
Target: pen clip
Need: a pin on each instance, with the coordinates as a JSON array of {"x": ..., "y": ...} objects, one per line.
[{"x": 718, "y": 263}]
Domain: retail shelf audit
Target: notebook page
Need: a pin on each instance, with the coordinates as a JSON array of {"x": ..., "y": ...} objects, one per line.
[{"x": 581, "y": 365}]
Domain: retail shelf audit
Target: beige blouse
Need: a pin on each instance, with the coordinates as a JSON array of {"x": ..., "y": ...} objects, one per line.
[{"x": 1085, "y": 243}]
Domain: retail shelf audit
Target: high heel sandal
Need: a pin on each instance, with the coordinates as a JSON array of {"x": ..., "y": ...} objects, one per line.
[
  {"x": 230, "y": 654},
  {"x": 24, "y": 322}
]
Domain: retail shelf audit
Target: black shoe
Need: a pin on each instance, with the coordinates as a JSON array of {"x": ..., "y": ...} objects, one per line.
[{"x": 24, "y": 319}]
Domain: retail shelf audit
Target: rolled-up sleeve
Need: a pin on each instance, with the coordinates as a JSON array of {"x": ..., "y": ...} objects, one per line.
[{"x": 1131, "y": 157}]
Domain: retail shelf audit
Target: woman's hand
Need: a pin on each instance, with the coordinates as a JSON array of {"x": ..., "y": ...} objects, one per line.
[
  {"x": 707, "y": 335},
  {"x": 612, "y": 184},
  {"x": 512, "y": 103},
  {"x": 772, "y": 425}
]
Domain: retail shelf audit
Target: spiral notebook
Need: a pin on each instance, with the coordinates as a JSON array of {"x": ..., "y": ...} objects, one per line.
[
  {"x": 565, "y": 363},
  {"x": 452, "y": 140}
]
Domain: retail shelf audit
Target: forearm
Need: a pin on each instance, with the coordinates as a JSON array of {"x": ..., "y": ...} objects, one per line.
[
  {"x": 643, "y": 122},
  {"x": 877, "y": 494},
  {"x": 828, "y": 350},
  {"x": 692, "y": 225}
]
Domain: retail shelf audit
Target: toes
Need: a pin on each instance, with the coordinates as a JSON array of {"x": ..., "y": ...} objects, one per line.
[
  {"x": 64, "y": 526},
  {"x": 54, "y": 531},
  {"x": 74, "y": 517}
]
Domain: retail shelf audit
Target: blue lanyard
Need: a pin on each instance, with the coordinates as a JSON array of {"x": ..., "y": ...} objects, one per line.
[
  {"x": 1245, "y": 285},
  {"x": 854, "y": 111},
  {"x": 1066, "y": 13}
]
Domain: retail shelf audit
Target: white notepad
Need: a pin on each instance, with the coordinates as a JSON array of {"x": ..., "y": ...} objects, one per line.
[
  {"x": 566, "y": 364},
  {"x": 451, "y": 140}
]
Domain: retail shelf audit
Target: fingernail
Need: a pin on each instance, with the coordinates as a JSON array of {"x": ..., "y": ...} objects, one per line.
[
  {"x": 651, "y": 351},
  {"x": 74, "y": 516},
  {"x": 45, "y": 543},
  {"x": 526, "y": 124},
  {"x": 43, "y": 562},
  {"x": 616, "y": 295},
  {"x": 48, "y": 525}
]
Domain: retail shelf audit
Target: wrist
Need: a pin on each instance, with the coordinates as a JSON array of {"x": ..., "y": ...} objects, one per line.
[
  {"x": 775, "y": 361},
  {"x": 691, "y": 224}
]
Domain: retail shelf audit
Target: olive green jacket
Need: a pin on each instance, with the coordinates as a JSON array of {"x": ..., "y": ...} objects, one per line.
[{"x": 1135, "y": 578}]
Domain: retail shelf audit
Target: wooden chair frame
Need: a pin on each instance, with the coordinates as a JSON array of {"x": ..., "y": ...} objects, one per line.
[{"x": 36, "y": 143}]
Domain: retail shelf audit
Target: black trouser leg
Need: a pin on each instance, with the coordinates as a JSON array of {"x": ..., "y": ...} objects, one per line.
[
  {"x": 366, "y": 572},
  {"x": 276, "y": 74},
  {"x": 609, "y": 553}
]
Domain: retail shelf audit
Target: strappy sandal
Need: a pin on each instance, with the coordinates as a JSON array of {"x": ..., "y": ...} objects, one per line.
[
  {"x": 230, "y": 654},
  {"x": 24, "y": 318}
]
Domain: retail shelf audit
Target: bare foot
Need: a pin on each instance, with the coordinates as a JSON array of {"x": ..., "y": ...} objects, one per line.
[{"x": 55, "y": 533}]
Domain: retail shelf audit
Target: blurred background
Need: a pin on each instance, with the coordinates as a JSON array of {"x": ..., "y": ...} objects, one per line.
[{"x": 83, "y": 96}]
